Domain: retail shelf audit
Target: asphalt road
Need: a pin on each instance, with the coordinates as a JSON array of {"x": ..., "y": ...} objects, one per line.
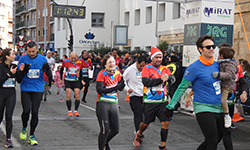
[{"x": 58, "y": 131}]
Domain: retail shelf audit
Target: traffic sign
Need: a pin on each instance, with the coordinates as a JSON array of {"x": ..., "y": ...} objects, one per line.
[
  {"x": 21, "y": 37},
  {"x": 21, "y": 43},
  {"x": 28, "y": 41}
]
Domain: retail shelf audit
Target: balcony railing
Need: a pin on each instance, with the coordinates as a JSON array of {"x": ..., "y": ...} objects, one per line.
[
  {"x": 31, "y": 5},
  {"x": 21, "y": 24},
  {"x": 31, "y": 23},
  {"x": 20, "y": 9},
  {"x": 52, "y": 37}
]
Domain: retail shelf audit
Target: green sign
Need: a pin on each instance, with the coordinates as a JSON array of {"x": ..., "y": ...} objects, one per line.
[
  {"x": 220, "y": 32},
  {"x": 191, "y": 33},
  {"x": 68, "y": 11}
]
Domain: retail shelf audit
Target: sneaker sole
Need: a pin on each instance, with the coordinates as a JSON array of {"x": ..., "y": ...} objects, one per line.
[
  {"x": 32, "y": 144},
  {"x": 9, "y": 146},
  {"x": 134, "y": 144}
]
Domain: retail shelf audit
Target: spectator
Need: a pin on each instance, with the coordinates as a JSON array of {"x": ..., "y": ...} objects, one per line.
[{"x": 57, "y": 58}]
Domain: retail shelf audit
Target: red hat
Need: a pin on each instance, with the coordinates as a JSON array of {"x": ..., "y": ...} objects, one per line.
[{"x": 155, "y": 51}]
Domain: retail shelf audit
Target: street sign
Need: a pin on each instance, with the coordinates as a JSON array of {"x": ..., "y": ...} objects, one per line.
[
  {"x": 21, "y": 43},
  {"x": 21, "y": 37},
  {"x": 69, "y": 11},
  {"x": 28, "y": 41}
]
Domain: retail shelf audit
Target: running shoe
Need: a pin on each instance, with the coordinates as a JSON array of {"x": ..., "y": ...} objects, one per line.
[
  {"x": 8, "y": 144},
  {"x": 84, "y": 101},
  {"x": 233, "y": 126},
  {"x": 228, "y": 121},
  {"x": 106, "y": 147},
  {"x": 23, "y": 133},
  {"x": 138, "y": 139},
  {"x": 162, "y": 148},
  {"x": 57, "y": 93},
  {"x": 32, "y": 140},
  {"x": 76, "y": 114},
  {"x": 70, "y": 114},
  {"x": 61, "y": 100}
]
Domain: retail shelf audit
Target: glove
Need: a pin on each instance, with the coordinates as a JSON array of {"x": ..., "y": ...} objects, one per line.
[
  {"x": 45, "y": 67},
  {"x": 169, "y": 113},
  {"x": 120, "y": 86},
  {"x": 26, "y": 68},
  {"x": 171, "y": 79},
  {"x": 216, "y": 75}
]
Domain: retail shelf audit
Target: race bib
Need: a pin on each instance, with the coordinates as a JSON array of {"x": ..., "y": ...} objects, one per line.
[
  {"x": 217, "y": 87},
  {"x": 10, "y": 82},
  {"x": 158, "y": 88},
  {"x": 85, "y": 72},
  {"x": 138, "y": 75},
  {"x": 33, "y": 73},
  {"x": 72, "y": 71}
]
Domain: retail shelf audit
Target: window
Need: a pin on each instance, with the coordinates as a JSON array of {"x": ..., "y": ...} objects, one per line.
[
  {"x": 45, "y": 12},
  {"x": 38, "y": 32},
  {"x": 97, "y": 19},
  {"x": 34, "y": 16},
  {"x": 176, "y": 10},
  {"x": 148, "y": 48},
  {"x": 38, "y": 13},
  {"x": 162, "y": 12},
  {"x": 43, "y": 33},
  {"x": 137, "y": 17},
  {"x": 126, "y": 18},
  {"x": 149, "y": 14}
]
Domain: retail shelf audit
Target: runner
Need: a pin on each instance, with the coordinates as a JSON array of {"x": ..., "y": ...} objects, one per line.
[
  {"x": 207, "y": 93},
  {"x": 134, "y": 86},
  {"x": 32, "y": 88},
  {"x": 108, "y": 81},
  {"x": 8, "y": 75},
  {"x": 154, "y": 77},
  {"x": 86, "y": 65},
  {"x": 51, "y": 63},
  {"x": 73, "y": 75}
]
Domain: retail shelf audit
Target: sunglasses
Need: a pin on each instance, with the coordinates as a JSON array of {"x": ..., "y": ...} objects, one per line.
[{"x": 209, "y": 46}]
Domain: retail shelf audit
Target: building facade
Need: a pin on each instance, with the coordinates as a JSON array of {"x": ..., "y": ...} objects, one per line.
[{"x": 6, "y": 23}]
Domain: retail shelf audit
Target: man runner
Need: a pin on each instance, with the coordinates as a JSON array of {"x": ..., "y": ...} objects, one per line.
[
  {"x": 32, "y": 88},
  {"x": 72, "y": 77}
]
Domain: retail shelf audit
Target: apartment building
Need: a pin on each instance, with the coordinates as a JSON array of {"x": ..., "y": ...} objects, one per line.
[
  {"x": 6, "y": 19},
  {"x": 29, "y": 22}
]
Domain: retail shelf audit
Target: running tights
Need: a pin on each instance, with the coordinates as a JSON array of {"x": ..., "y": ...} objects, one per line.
[
  {"x": 211, "y": 125},
  {"x": 108, "y": 118},
  {"x": 7, "y": 102},
  {"x": 30, "y": 101},
  {"x": 86, "y": 80}
]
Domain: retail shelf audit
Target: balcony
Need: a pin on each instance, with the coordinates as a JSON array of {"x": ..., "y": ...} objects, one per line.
[
  {"x": 31, "y": 23},
  {"x": 31, "y": 5},
  {"x": 21, "y": 25},
  {"x": 10, "y": 40},
  {"x": 52, "y": 20},
  {"x": 10, "y": 30},
  {"x": 52, "y": 37},
  {"x": 21, "y": 9}
]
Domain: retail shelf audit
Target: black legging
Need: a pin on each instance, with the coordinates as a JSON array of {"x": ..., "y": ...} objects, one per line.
[
  {"x": 108, "y": 118},
  {"x": 8, "y": 102},
  {"x": 30, "y": 100},
  {"x": 211, "y": 125},
  {"x": 86, "y": 80},
  {"x": 136, "y": 106}
]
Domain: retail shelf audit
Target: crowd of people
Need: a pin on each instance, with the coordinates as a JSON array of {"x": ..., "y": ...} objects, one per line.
[{"x": 154, "y": 84}]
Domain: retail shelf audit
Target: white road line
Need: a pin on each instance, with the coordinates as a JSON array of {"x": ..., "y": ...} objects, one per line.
[
  {"x": 13, "y": 139},
  {"x": 88, "y": 107}
]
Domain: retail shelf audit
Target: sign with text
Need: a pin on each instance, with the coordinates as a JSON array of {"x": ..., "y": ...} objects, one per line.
[
  {"x": 193, "y": 13},
  {"x": 120, "y": 35},
  {"x": 220, "y": 32},
  {"x": 69, "y": 11},
  {"x": 218, "y": 13},
  {"x": 191, "y": 33}
]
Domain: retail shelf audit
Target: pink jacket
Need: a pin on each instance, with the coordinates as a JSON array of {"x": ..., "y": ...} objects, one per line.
[{"x": 57, "y": 79}]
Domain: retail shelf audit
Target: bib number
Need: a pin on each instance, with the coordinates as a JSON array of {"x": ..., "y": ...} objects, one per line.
[
  {"x": 217, "y": 87},
  {"x": 138, "y": 75},
  {"x": 33, "y": 73},
  {"x": 72, "y": 71},
  {"x": 10, "y": 82}
]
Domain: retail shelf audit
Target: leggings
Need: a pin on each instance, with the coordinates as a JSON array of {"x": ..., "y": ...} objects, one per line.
[
  {"x": 61, "y": 92},
  {"x": 136, "y": 106},
  {"x": 8, "y": 102},
  {"x": 30, "y": 100},
  {"x": 211, "y": 125},
  {"x": 86, "y": 80},
  {"x": 108, "y": 118}
]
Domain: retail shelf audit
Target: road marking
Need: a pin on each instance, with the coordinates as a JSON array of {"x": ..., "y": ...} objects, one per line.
[
  {"x": 88, "y": 107},
  {"x": 13, "y": 139}
]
